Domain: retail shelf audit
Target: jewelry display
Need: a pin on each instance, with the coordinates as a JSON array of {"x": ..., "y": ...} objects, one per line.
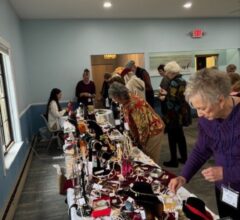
[{"x": 105, "y": 169}]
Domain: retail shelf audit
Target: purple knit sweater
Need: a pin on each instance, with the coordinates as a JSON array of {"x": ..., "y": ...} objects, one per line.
[{"x": 220, "y": 139}]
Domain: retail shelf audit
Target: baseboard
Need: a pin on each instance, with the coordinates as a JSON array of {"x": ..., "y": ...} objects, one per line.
[{"x": 9, "y": 215}]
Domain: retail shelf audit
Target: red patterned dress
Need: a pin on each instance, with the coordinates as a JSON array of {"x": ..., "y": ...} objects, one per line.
[{"x": 143, "y": 121}]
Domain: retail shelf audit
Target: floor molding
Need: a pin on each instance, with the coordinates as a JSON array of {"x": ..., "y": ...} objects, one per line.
[{"x": 9, "y": 214}]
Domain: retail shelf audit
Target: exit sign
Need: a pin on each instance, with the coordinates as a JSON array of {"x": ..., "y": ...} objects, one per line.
[{"x": 197, "y": 33}]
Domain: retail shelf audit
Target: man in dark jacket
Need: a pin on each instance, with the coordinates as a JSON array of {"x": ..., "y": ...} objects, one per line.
[
  {"x": 143, "y": 75},
  {"x": 164, "y": 84}
]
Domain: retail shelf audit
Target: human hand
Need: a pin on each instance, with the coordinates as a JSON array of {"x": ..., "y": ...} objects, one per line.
[
  {"x": 176, "y": 183},
  {"x": 86, "y": 94},
  {"x": 163, "y": 91},
  {"x": 162, "y": 97},
  {"x": 83, "y": 94},
  {"x": 213, "y": 174}
]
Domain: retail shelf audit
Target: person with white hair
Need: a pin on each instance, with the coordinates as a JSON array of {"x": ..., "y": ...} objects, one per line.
[
  {"x": 177, "y": 111},
  {"x": 143, "y": 75},
  {"x": 134, "y": 84},
  {"x": 218, "y": 136}
]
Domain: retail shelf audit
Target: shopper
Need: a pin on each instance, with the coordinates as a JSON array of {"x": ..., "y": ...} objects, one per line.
[
  {"x": 143, "y": 75},
  {"x": 219, "y": 136},
  {"x": 231, "y": 68},
  {"x": 174, "y": 116},
  {"x": 146, "y": 127},
  {"x": 104, "y": 91},
  {"x": 234, "y": 77},
  {"x": 163, "y": 87},
  {"x": 235, "y": 89},
  {"x": 133, "y": 83}
]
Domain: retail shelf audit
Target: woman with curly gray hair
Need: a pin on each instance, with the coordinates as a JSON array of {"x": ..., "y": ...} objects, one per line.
[
  {"x": 219, "y": 136},
  {"x": 146, "y": 127}
]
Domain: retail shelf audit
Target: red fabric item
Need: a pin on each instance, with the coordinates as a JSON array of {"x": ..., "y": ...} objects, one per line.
[
  {"x": 195, "y": 211},
  {"x": 99, "y": 213},
  {"x": 67, "y": 184},
  {"x": 102, "y": 212}
]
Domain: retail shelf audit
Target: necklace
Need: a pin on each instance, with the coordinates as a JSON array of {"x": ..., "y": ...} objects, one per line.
[{"x": 142, "y": 194}]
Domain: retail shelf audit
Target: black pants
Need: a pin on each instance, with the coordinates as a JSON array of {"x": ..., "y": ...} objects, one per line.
[
  {"x": 176, "y": 137},
  {"x": 150, "y": 97},
  {"x": 226, "y": 210}
]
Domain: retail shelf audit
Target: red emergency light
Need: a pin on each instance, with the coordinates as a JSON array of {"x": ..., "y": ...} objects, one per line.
[{"x": 197, "y": 33}]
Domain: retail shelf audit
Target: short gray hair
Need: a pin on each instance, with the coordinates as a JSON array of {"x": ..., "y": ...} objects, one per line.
[
  {"x": 209, "y": 84},
  {"x": 130, "y": 64},
  {"x": 118, "y": 90},
  {"x": 172, "y": 67}
]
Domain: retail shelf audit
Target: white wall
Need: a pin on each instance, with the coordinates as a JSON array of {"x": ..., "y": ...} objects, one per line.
[
  {"x": 10, "y": 31},
  {"x": 58, "y": 51}
]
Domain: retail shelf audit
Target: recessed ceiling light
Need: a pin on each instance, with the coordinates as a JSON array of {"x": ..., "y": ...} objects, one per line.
[
  {"x": 187, "y": 5},
  {"x": 107, "y": 4}
]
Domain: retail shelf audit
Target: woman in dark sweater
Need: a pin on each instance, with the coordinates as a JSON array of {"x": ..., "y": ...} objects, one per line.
[
  {"x": 85, "y": 89},
  {"x": 219, "y": 136}
]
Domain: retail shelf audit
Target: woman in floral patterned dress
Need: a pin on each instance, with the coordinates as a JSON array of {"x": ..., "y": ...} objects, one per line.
[{"x": 146, "y": 127}]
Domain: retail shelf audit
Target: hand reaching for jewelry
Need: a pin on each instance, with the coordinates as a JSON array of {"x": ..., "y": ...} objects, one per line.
[{"x": 176, "y": 183}]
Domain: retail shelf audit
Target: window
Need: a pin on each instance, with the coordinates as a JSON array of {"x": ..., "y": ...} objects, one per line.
[
  {"x": 10, "y": 134},
  {"x": 6, "y": 134}
]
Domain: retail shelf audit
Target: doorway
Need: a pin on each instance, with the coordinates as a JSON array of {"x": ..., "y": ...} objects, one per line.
[
  {"x": 107, "y": 63},
  {"x": 206, "y": 61}
]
